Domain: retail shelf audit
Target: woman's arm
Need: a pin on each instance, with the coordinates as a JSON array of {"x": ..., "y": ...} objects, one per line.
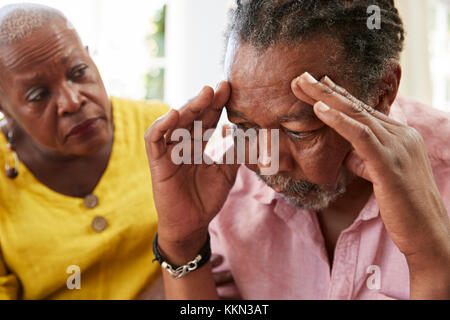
[{"x": 9, "y": 284}]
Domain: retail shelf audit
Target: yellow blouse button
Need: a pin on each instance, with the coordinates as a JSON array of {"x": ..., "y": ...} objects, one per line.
[
  {"x": 91, "y": 201},
  {"x": 99, "y": 224}
]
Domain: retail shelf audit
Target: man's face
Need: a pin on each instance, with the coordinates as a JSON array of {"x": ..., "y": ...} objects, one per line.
[
  {"x": 52, "y": 89},
  {"x": 311, "y": 155}
]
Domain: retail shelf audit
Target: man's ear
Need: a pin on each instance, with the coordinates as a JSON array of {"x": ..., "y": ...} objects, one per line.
[{"x": 389, "y": 86}]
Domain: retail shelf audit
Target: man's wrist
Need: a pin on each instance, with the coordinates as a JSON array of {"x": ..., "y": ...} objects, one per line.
[
  {"x": 430, "y": 275},
  {"x": 179, "y": 252}
]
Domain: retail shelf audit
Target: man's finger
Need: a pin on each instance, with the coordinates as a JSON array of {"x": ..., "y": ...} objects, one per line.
[
  {"x": 356, "y": 165},
  {"x": 194, "y": 108},
  {"x": 300, "y": 94},
  {"x": 216, "y": 260},
  {"x": 211, "y": 115},
  {"x": 222, "y": 278},
  {"x": 362, "y": 138},
  {"x": 321, "y": 92},
  {"x": 343, "y": 92},
  {"x": 155, "y": 140}
]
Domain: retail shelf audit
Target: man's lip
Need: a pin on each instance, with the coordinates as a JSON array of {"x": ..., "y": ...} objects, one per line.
[
  {"x": 278, "y": 189},
  {"x": 83, "y": 127}
]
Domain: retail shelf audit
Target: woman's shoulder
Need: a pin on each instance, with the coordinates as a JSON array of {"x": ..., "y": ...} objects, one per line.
[
  {"x": 131, "y": 121},
  {"x": 140, "y": 112}
]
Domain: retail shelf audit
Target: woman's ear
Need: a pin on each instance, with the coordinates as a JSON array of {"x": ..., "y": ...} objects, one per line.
[
  {"x": 6, "y": 114},
  {"x": 389, "y": 86}
]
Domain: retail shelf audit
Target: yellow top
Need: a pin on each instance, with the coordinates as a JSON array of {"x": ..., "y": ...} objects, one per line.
[{"x": 45, "y": 236}]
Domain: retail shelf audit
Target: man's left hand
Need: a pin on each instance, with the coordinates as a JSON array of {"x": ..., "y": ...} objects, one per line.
[{"x": 393, "y": 157}]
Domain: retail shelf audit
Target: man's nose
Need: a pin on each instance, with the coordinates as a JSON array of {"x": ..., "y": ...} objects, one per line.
[
  {"x": 274, "y": 152},
  {"x": 69, "y": 100}
]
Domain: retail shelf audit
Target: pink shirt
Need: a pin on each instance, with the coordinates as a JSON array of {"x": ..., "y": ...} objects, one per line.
[{"x": 276, "y": 251}]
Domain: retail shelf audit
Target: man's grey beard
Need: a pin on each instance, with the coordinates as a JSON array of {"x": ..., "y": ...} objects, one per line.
[{"x": 297, "y": 191}]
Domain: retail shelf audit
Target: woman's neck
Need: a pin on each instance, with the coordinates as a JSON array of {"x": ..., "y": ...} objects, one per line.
[{"x": 68, "y": 175}]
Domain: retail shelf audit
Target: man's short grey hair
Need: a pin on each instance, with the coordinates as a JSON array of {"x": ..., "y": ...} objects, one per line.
[
  {"x": 365, "y": 51},
  {"x": 19, "y": 21}
]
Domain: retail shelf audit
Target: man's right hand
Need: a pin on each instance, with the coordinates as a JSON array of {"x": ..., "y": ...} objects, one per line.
[{"x": 187, "y": 196}]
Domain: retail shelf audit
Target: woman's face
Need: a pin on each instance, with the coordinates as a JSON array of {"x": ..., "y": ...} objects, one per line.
[{"x": 52, "y": 90}]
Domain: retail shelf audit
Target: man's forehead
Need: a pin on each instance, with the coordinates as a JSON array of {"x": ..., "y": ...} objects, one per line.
[
  {"x": 261, "y": 82},
  {"x": 248, "y": 67}
]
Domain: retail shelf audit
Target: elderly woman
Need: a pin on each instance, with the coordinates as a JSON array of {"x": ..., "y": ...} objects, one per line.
[{"x": 77, "y": 218}]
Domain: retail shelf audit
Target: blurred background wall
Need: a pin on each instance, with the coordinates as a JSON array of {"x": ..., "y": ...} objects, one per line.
[{"x": 170, "y": 49}]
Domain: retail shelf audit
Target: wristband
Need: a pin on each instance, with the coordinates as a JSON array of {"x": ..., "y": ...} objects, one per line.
[{"x": 178, "y": 272}]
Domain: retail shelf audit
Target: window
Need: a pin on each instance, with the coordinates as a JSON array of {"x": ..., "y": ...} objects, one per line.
[
  {"x": 439, "y": 28},
  {"x": 156, "y": 41}
]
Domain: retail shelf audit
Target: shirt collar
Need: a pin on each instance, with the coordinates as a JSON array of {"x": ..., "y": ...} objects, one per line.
[
  {"x": 397, "y": 113},
  {"x": 266, "y": 195}
]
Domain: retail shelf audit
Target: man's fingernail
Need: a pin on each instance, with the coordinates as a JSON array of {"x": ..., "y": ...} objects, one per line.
[
  {"x": 327, "y": 81},
  {"x": 322, "y": 107},
  {"x": 165, "y": 115},
  {"x": 309, "y": 78},
  {"x": 218, "y": 86},
  {"x": 201, "y": 91}
]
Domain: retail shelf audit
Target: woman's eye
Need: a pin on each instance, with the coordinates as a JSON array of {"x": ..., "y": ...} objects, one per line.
[
  {"x": 37, "y": 95},
  {"x": 79, "y": 72}
]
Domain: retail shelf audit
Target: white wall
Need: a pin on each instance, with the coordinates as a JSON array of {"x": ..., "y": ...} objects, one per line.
[
  {"x": 416, "y": 80},
  {"x": 194, "y": 47}
]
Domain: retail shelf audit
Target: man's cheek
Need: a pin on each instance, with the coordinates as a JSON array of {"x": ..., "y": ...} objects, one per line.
[{"x": 322, "y": 164}]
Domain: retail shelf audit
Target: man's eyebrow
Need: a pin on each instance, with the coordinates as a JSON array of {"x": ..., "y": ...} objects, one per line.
[
  {"x": 235, "y": 114},
  {"x": 298, "y": 115}
]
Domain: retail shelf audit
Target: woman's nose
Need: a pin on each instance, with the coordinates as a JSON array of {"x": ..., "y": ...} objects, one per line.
[{"x": 69, "y": 100}]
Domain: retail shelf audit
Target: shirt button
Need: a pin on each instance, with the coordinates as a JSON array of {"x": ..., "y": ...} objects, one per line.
[
  {"x": 99, "y": 224},
  {"x": 91, "y": 201}
]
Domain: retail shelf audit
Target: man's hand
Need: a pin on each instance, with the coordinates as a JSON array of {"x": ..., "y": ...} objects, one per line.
[
  {"x": 224, "y": 280},
  {"x": 187, "y": 197},
  {"x": 393, "y": 157}
]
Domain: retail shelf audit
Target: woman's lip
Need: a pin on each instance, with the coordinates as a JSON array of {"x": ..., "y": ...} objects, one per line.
[{"x": 84, "y": 128}]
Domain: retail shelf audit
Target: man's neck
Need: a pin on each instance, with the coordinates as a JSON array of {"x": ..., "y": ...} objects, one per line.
[
  {"x": 349, "y": 206},
  {"x": 343, "y": 213}
]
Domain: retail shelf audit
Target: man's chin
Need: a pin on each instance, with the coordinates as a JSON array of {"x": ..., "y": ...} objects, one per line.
[
  {"x": 307, "y": 195},
  {"x": 315, "y": 201}
]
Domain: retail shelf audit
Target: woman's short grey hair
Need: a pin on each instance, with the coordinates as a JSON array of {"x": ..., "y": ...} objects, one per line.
[{"x": 18, "y": 21}]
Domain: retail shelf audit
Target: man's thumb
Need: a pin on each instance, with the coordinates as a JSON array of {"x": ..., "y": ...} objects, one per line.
[{"x": 356, "y": 165}]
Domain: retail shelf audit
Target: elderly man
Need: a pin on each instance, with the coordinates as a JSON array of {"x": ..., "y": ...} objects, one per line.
[{"x": 358, "y": 208}]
